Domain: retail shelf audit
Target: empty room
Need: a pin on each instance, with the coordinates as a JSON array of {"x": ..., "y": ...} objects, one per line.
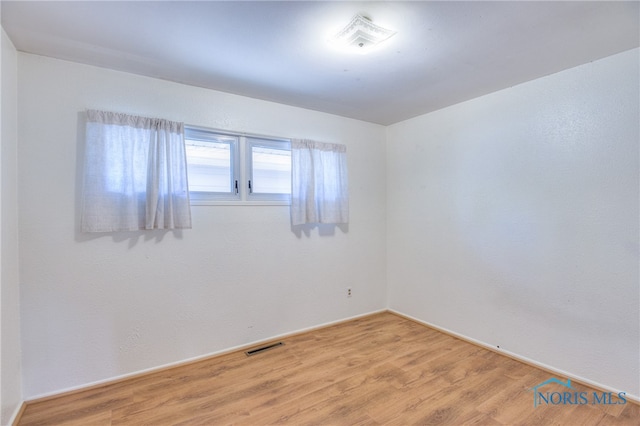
[{"x": 308, "y": 212}]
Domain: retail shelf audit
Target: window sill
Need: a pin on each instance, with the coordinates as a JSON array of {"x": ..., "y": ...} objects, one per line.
[{"x": 238, "y": 203}]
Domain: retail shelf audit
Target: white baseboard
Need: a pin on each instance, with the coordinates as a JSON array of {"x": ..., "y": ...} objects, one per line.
[
  {"x": 517, "y": 357},
  {"x": 180, "y": 363},
  {"x": 17, "y": 413}
]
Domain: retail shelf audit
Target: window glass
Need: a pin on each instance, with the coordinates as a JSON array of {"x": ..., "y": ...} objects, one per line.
[
  {"x": 211, "y": 164},
  {"x": 271, "y": 170}
]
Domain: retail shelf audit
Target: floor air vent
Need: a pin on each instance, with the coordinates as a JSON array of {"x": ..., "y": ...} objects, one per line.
[{"x": 261, "y": 349}]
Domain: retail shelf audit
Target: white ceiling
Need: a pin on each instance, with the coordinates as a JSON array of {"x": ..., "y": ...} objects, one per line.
[{"x": 443, "y": 53}]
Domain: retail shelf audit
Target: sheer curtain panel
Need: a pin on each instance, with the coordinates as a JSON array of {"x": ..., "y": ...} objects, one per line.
[
  {"x": 135, "y": 174},
  {"x": 319, "y": 184}
]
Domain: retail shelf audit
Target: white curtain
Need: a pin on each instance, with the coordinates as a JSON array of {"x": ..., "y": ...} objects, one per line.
[
  {"x": 319, "y": 185},
  {"x": 135, "y": 174}
]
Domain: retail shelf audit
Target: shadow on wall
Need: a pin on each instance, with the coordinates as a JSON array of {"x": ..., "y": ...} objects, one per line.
[
  {"x": 79, "y": 236},
  {"x": 324, "y": 229},
  {"x": 132, "y": 236}
]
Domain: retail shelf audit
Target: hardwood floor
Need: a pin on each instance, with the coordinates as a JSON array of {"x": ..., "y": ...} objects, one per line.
[{"x": 382, "y": 369}]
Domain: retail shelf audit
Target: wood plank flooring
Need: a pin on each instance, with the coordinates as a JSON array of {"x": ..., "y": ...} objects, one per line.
[{"x": 381, "y": 369}]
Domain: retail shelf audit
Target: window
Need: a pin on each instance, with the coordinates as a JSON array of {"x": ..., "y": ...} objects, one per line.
[
  {"x": 217, "y": 174},
  {"x": 212, "y": 165},
  {"x": 269, "y": 169}
]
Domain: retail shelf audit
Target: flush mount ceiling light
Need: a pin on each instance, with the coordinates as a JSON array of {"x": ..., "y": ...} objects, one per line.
[{"x": 361, "y": 35}]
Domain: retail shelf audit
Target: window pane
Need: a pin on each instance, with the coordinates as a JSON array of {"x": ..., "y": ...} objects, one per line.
[
  {"x": 271, "y": 170},
  {"x": 209, "y": 166}
]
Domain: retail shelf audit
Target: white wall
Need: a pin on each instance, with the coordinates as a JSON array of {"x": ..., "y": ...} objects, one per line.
[
  {"x": 513, "y": 220},
  {"x": 10, "y": 368},
  {"x": 97, "y": 307}
]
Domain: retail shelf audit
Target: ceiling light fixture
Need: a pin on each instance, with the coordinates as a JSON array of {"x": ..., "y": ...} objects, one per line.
[{"x": 361, "y": 35}]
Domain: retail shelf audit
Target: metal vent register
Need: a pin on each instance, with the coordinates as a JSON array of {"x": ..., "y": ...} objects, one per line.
[{"x": 262, "y": 349}]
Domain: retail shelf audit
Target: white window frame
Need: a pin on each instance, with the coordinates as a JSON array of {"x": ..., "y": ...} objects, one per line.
[{"x": 241, "y": 169}]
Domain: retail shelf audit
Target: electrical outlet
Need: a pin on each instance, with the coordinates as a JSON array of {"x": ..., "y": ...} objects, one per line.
[{"x": 349, "y": 292}]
